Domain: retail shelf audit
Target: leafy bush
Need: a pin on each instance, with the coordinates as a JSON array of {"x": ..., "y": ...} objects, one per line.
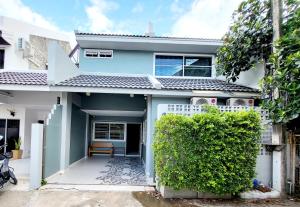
[{"x": 210, "y": 152}]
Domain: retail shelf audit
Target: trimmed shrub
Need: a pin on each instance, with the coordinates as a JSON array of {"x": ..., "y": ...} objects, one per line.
[{"x": 210, "y": 152}]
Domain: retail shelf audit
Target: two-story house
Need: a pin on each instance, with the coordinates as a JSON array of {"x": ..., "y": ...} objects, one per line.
[{"x": 114, "y": 95}]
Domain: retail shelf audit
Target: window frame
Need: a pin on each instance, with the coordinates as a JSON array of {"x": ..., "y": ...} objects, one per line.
[
  {"x": 1, "y": 68},
  {"x": 213, "y": 71},
  {"x": 98, "y": 53},
  {"x": 109, "y": 123}
]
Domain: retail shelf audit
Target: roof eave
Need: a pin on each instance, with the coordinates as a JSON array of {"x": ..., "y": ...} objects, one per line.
[{"x": 161, "y": 40}]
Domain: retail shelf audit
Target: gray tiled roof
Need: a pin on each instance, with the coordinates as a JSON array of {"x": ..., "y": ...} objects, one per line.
[
  {"x": 147, "y": 36},
  {"x": 23, "y": 78},
  {"x": 202, "y": 84},
  {"x": 3, "y": 41},
  {"x": 104, "y": 81},
  {"x": 136, "y": 82}
]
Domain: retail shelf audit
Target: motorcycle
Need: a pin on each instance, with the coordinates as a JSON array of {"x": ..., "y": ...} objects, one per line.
[{"x": 6, "y": 172}]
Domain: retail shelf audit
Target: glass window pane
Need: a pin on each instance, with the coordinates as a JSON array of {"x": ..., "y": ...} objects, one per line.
[
  {"x": 2, "y": 53},
  {"x": 198, "y": 66},
  {"x": 101, "y": 131},
  {"x": 12, "y": 134},
  {"x": 197, "y": 61},
  {"x": 2, "y": 133},
  {"x": 117, "y": 131},
  {"x": 199, "y": 71},
  {"x": 168, "y": 65}
]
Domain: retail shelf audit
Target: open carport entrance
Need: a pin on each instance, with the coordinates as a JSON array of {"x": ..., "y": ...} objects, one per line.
[{"x": 114, "y": 118}]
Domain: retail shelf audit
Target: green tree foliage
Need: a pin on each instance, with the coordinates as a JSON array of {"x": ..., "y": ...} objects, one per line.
[
  {"x": 210, "y": 152},
  {"x": 249, "y": 41},
  {"x": 285, "y": 63}
]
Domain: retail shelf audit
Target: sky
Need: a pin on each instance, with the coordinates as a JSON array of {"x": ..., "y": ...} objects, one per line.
[{"x": 180, "y": 18}]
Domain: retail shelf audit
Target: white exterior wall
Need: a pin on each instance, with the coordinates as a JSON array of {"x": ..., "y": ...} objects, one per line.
[
  {"x": 29, "y": 107},
  {"x": 249, "y": 78},
  {"x": 19, "y": 114},
  {"x": 32, "y": 116},
  {"x": 12, "y": 30},
  {"x": 263, "y": 167}
]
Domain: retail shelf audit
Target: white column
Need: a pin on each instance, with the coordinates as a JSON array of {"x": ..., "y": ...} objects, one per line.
[
  {"x": 36, "y": 159},
  {"x": 277, "y": 170},
  {"x": 86, "y": 134},
  {"x": 65, "y": 130},
  {"x": 149, "y": 161}
]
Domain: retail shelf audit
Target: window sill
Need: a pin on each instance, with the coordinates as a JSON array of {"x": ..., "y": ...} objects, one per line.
[{"x": 108, "y": 140}]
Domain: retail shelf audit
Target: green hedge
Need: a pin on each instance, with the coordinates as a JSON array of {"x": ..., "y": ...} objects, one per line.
[{"x": 210, "y": 152}]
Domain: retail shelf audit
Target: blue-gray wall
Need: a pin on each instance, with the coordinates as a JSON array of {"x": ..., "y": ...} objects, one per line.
[
  {"x": 52, "y": 143},
  {"x": 126, "y": 62},
  {"x": 122, "y": 102},
  {"x": 78, "y": 129},
  {"x": 115, "y": 119}
]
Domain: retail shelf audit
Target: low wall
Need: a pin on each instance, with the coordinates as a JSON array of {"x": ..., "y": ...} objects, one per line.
[{"x": 52, "y": 143}]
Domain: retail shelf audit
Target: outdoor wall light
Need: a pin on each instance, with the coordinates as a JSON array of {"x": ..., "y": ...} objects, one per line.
[{"x": 11, "y": 112}]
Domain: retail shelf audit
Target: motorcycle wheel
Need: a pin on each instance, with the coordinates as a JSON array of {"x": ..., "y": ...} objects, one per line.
[{"x": 13, "y": 179}]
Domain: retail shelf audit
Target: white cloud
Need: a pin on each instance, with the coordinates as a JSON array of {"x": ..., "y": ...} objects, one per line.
[
  {"x": 176, "y": 8},
  {"x": 18, "y": 10},
  {"x": 98, "y": 21},
  {"x": 138, "y": 8},
  {"x": 205, "y": 18}
]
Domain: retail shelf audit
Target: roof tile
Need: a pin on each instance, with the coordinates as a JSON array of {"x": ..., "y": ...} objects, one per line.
[
  {"x": 202, "y": 84},
  {"x": 23, "y": 78},
  {"x": 147, "y": 36},
  {"x": 108, "y": 81}
]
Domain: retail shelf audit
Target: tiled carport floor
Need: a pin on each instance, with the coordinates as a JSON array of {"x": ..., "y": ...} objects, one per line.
[{"x": 103, "y": 170}]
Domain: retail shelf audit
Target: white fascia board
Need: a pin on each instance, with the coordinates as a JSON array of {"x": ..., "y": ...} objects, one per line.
[
  {"x": 10, "y": 87},
  {"x": 114, "y": 113},
  {"x": 177, "y": 93},
  {"x": 225, "y": 94},
  {"x": 174, "y": 93},
  {"x": 117, "y": 90},
  {"x": 175, "y": 41}
]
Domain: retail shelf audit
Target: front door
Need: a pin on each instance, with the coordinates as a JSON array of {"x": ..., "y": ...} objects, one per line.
[
  {"x": 12, "y": 134},
  {"x": 9, "y": 129},
  {"x": 2, "y": 133},
  {"x": 133, "y": 139}
]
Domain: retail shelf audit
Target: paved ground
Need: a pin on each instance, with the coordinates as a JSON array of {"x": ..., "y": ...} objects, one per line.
[
  {"x": 116, "y": 199},
  {"x": 103, "y": 170},
  {"x": 21, "y": 167}
]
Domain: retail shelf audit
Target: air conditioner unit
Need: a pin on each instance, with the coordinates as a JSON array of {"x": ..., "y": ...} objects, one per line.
[
  {"x": 201, "y": 101},
  {"x": 21, "y": 44},
  {"x": 240, "y": 102}
]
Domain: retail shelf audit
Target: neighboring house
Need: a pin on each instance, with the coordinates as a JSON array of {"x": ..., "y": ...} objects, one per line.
[
  {"x": 24, "y": 47},
  {"x": 115, "y": 93}
]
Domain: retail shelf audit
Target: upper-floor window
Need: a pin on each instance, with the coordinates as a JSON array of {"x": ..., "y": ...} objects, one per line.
[
  {"x": 183, "y": 65},
  {"x": 92, "y": 53},
  {"x": 2, "y": 54}
]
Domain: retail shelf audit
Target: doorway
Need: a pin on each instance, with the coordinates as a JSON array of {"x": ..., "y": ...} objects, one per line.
[
  {"x": 133, "y": 139},
  {"x": 10, "y": 130}
]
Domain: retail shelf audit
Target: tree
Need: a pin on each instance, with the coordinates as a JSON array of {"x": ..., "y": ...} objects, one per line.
[{"x": 249, "y": 41}]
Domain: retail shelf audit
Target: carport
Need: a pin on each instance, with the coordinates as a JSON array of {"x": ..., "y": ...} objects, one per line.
[{"x": 95, "y": 117}]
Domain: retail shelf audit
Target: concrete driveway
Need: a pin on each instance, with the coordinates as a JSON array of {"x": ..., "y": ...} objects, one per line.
[{"x": 115, "y": 199}]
